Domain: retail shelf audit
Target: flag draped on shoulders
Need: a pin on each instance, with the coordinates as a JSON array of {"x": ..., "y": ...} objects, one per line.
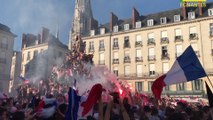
[
  {"x": 186, "y": 67},
  {"x": 80, "y": 106}
]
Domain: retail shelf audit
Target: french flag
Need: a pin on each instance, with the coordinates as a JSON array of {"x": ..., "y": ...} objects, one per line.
[
  {"x": 80, "y": 106},
  {"x": 186, "y": 68}
]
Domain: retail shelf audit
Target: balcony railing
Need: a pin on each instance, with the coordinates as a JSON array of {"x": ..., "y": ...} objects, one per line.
[
  {"x": 138, "y": 59},
  {"x": 164, "y": 40},
  {"x": 151, "y": 41},
  {"x": 91, "y": 49},
  {"x": 151, "y": 58},
  {"x": 115, "y": 47},
  {"x": 193, "y": 36},
  {"x": 126, "y": 45},
  {"x": 101, "y": 62},
  {"x": 3, "y": 60},
  {"x": 115, "y": 61},
  {"x": 138, "y": 44},
  {"x": 165, "y": 57},
  {"x": 127, "y": 60},
  {"x": 211, "y": 33},
  {"x": 101, "y": 49},
  {"x": 179, "y": 38}
]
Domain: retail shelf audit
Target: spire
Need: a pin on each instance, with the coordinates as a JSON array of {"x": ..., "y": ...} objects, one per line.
[{"x": 81, "y": 20}]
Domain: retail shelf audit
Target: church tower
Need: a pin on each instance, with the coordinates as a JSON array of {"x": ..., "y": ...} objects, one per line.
[{"x": 82, "y": 21}]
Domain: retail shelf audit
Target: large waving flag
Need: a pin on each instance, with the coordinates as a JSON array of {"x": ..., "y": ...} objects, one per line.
[
  {"x": 79, "y": 106},
  {"x": 210, "y": 95},
  {"x": 186, "y": 68}
]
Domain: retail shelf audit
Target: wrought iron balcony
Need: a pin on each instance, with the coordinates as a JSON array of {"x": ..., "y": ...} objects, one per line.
[
  {"x": 3, "y": 60},
  {"x": 101, "y": 62},
  {"x": 91, "y": 49},
  {"x": 211, "y": 33},
  {"x": 115, "y": 61},
  {"x": 101, "y": 49},
  {"x": 179, "y": 38},
  {"x": 115, "y": 47},
  {"x": 138, "y": 44},
  {"x": 127, "y": 59},
  {"x": 165, "y": 57},
  {"x": 151, "y": 41},
  {"x": 193, "y": 36},
  {"x": 164, "y": 40},
  {"x": 138, "y": 59},
  {"x": 126, "y": 45},
  {"x": 151, "y": 58}
]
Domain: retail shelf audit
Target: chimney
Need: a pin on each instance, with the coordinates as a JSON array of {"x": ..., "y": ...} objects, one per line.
[
  {"x": 200, "y": 9},
  {"x": 24, "y": 40},
  {"x": 44, "y": 34},
  {"x": 135, "y": 17},
  {"x": 184, "y": 10},
  {"x": 113, "y": 20},
  {"x": 93, "y": 24}
]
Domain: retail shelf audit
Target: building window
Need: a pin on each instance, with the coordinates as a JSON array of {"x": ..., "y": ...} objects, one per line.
[
  {"x": 101, "y": 45},
  {"x": 102, "y": 31},
  {"x": 139, "y": 86},
  {"x": 115, "y": 71},
  {"x": 151, "y": 39},
  {"x": 138, "y": 24},
  {"x": 163, "y": 20},
  {"x": 211, "y": 29},
  {"x": 126, "y": 42},
  {"x": 210, "y": 12},
  {"x": 151, "y": 69},
  {"x": 176, "y": 18},
  {"x": 151, "y": 54},
  {"x": 197, "y": 84},
  {"x": 92, "y": 32},
  {"x": 139, "y": 56},
  {"x": 2, "y": 57},
  {"x": 139, "y": 70},
  {"x": 165, "y": 54},
  {"x": 115, "y": 29},
  {"x": 165, "y": 67},
  {"x": 28, "y": 55},
  {"x": 115, "y": 58},
  {"x": 191, "y": 15},
  {"x": 179, "y": 50},
  {"x": 115, "y": 43},
  {"x": 193, "y": 33},
  {"x": 126, "y": 27},
  {"x": 101, "y": 59},
  {"x": 91, "y": 46},
  {"x": 150, "y": 85},
  {"x": 4, "y": 44},
  {"x": 195, "y": 47},
  {"x": 126, "y": 70},
  {"x": 127, "y": 57},
  {"x": 138, "y": 42},
  {"x": 150, "y": 22},
  {"x": 180, "y": 87}
]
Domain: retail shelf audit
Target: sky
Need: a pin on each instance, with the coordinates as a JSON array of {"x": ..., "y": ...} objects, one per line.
[{"x": 29, "y": 16}]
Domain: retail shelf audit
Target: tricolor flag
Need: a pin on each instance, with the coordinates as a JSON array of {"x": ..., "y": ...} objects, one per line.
[
  {"x": 210, "y": 95},
  {"x": 79, "y": 106},
  {"x": 186, "y": 68}
]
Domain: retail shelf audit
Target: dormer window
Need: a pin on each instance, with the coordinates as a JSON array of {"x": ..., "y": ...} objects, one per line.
[
  {"x": 138, "y": 24},
  {"x": 115, "y": 28},
  {"x": 150, "y": 22},
  {"x": 163, "y": 20},
  {"x": 92, "y": 32},
  {"x": 126, "y": 27},
  {"x": 102, "y": 31},
  {"x": 210, "y": 12},
  {"x": 191, "y": 15},
  {"x": 176, "y": 18}
]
